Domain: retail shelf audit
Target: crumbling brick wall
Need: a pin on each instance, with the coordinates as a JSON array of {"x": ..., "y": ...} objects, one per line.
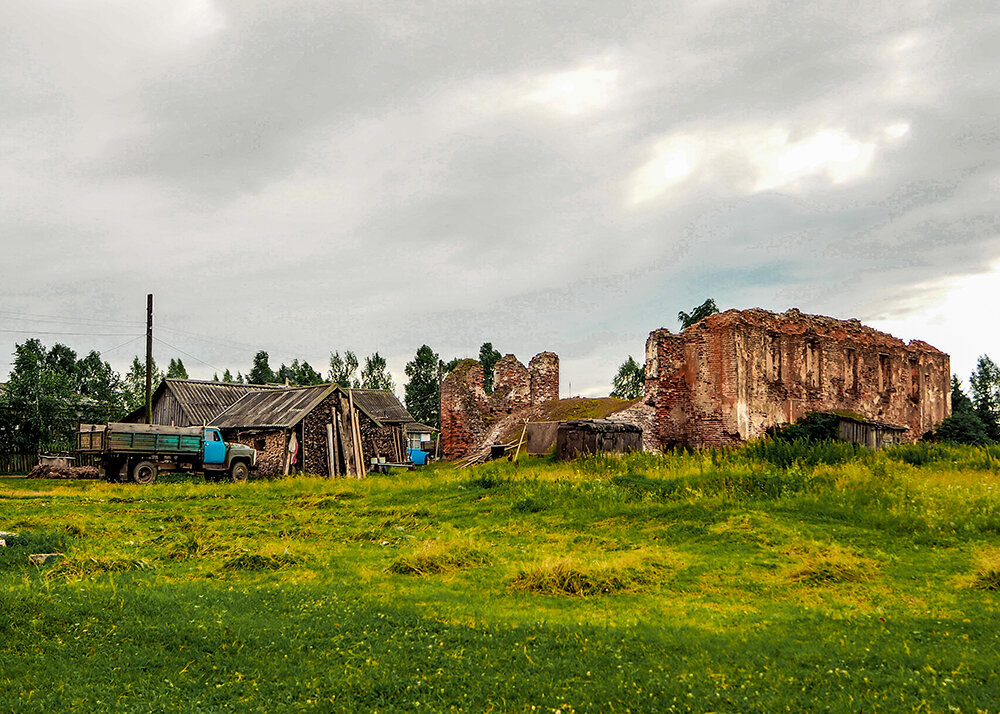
[
  {"x": 463, "y": 409},
  {"x": 511, "y": 386},
  {"x": 466, "y": 409},
  {"x": 736, "y": 374},
  {"x": 543, "y": 370}
]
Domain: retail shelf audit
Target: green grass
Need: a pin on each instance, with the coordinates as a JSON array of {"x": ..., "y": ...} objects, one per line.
[{"x": 753, "y": 579}]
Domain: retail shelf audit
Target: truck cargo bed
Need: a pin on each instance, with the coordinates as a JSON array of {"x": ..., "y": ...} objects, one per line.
[{"x": 140, "y": 439}]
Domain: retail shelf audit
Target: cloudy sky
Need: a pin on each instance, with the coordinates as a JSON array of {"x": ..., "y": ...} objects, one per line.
[{"x": 303, "y": 177}]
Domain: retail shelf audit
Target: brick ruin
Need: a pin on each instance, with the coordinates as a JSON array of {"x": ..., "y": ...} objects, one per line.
[
  {"x": 735, "y": 374},
  {"x": 728, "y": 378},
  {"x": 467, "y": 410}
]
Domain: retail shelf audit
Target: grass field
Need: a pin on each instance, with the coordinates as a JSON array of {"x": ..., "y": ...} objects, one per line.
[{"x": 770, "y": 578}]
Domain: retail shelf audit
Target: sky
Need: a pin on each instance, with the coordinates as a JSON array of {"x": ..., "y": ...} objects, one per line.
[{"x": 305, "y": 176}]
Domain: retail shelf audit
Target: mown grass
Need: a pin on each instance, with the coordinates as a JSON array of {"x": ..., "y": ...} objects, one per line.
[{"x": 798, "y": 578}]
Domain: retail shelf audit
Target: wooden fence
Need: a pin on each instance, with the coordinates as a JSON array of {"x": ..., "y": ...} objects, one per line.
[{"x": 23, "y": 463}]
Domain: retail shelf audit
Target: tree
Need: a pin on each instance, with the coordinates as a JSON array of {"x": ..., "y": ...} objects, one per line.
[
  {"x": 38, "y": 400},
  {"x": 375, "y": 374},
  {"x": 135, "y": 382},
  {"x": 50, "y": 392},
  {"x": 985, "y": 383},
  {"x": 227, "y": 376},
  {"x": 630, "y": 380},
  {"x": 488, "y": 357},
  {"x": 305, "y": 375},
  {"x": 175, "y": 370},
  {"x": 260, "y": 372},
  {"x": 423, "y": 397},
  {"x": 343, "y": 370},
  {"x": 698, "y": 314},
  {"x": 964, "y": 426},
  {"x": 100, "y": 389}
]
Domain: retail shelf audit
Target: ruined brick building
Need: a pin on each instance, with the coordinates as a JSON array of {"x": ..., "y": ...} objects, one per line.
[
  {"x": 467, "y": 410},
  {"x": 735, "y": 374},
  {"x": 729, "y": 378}
]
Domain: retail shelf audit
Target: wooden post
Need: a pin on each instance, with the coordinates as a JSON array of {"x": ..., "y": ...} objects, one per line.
[
  {"x": 332, "y": 433},
  {"x": 288, "y": 455},
  {"x": 521, "y": 441},
  {"x": 330, "y": 455},
  {"x": 346, "y": 440},
  {"x": 362, "y": 466},
  {"x": 359, "y": 453}
]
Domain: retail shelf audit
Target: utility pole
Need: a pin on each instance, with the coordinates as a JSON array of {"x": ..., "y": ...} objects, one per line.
[
  {"x": 437, "y": 442},
  {"x": 149, "y": 358}
]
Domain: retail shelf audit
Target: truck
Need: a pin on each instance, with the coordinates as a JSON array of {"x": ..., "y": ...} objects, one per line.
[{"x": 139, "y": 452}]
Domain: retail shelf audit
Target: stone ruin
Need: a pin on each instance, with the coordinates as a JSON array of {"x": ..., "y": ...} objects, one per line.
[
  {"x": 729, "y": 378},
  {"x": 467, "y": 410},
  {"x": 733, "y": 375}
]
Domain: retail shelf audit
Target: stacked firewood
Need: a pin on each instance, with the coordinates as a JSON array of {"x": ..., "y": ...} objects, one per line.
[
  {"x": 315, "y": 443},
  {"x": 270, "y": 458},
  {"x": 51, "y": 471}
]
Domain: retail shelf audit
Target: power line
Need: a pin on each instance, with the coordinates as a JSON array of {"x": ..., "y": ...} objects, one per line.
[
  {"x": 187, "y": 354},
  {"x": 68, "y": 334},
  {"x": 78, "y": 320}
]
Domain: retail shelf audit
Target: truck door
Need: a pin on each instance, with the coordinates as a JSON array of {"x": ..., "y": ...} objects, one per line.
[{"x": 215, "y": 447}]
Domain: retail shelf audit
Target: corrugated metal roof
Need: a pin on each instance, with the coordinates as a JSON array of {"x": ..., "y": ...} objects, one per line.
[
  {"x": 202, "y": 401},
  {"x": 273, "y": 409},
  {"x": 415, "y": 427},
  {"x": 384, "y": 406}
]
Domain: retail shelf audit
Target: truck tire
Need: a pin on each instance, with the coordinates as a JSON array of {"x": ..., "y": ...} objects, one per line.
[
  {"x": 144, "y": 472},
  {"x": 239, "y": 472}
]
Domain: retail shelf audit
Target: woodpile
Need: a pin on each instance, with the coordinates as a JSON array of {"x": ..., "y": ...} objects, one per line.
[
  {"x": 271, "y": 448},
  {"x": 64, "y": 472}
]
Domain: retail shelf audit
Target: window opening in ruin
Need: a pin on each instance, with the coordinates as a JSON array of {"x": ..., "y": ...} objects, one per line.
[
  {"x": 914, "y": 380},
  {"x": 850, "y": 369},
  {"x": 883, "y": 373},
  {"x": 774, "y": 358},
  {"x": 813, "y": 366}
]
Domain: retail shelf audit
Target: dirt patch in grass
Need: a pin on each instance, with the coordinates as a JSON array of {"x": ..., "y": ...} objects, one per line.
[{"x": 434, "y": 558}]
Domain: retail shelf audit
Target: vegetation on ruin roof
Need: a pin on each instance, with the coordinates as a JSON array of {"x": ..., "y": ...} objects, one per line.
[{"x": 569, "y": 409}]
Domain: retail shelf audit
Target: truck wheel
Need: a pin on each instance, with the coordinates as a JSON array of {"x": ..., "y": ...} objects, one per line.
[
  {"x": 144, "y": 472},
  {"x": 239, "y": 472}
]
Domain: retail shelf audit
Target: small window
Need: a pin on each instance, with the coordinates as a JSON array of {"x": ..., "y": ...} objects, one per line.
[{"x": 212, "y": 436}]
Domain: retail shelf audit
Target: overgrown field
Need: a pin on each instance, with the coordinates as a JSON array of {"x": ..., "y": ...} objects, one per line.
[{"x": 778, "y": 577}]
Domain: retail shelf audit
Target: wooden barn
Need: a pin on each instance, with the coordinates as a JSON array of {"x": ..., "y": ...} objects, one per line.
[
  {"x": 192, "y": 402},
  {"x": 321, "y": 429}
]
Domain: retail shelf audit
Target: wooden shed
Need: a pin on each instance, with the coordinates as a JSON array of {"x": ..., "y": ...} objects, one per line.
[
  {"x": 321, "y": 429},
  {"x": 873, "y": 434},
  {"x": 592, "y": 436},
  {"x": 192, "y": 402}
]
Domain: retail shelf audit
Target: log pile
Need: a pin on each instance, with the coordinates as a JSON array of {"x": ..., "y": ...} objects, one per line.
[
  {"x": 63, "y": 472},
  {"x": 271, "y": 448}
]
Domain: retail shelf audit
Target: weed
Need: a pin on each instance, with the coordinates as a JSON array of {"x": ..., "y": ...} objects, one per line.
[
  {"x": 830, "y": 565},
  {"x": 566, "y": 576},
  {"x": 70, "y": 568},
  {"x": 528, "y": 505},
  {"x": 434, "y": 558},
  {"x": 260, "y": 561}
]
